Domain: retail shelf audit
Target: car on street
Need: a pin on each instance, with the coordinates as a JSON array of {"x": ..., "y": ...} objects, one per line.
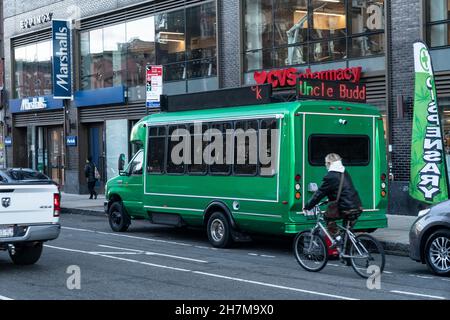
[
  {"x": 429, "y": 238},
  {"x": 30, "y": 205}
]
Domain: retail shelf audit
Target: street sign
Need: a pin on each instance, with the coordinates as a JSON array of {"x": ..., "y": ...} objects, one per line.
[
  {"x": 154, "y": 76},
  {"x": 71, "y": 141},
  {"x": 8, "y": 141}
]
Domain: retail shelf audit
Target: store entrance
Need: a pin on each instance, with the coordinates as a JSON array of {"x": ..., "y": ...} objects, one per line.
[
  {"x": 96, "y": 149},
  {"x": 55, "y": 154}
]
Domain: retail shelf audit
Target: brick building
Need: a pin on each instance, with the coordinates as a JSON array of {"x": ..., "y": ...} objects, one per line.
[{"x": 204, "y": 45}]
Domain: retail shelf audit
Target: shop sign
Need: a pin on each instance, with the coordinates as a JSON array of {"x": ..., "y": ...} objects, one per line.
[
  {"x": 154, "y": 76},
  {"x": 8, "y": 141},
  {"x": 62, "y": 59},
  {"x": 71, "y": 141},
  {"x": 36, "y": 20},
  {"x": 331, "y": 90},
  {"x": 36, "y": 103},
  {"x": 288, "y": 77}
]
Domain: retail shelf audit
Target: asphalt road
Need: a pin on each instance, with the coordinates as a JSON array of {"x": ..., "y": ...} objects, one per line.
[{"x": 158, "y": 262}]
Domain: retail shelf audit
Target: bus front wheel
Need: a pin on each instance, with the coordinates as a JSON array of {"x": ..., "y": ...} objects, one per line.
[
  {"x": 118, "y": 218},
  {"x": 219, "y": 231}
]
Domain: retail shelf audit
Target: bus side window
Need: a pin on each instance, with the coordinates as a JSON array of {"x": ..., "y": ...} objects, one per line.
[
  {"x": 198, "y": 165},
  {"x": 156, "y": 150},
  {"x": 221, "y": 165},
  {"x": 246, "y": 147},
  {"x": 268, "y": 147},
  {"x": 177, "y": 134}
]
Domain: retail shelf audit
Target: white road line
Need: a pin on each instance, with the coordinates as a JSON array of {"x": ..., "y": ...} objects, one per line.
[
  {"x": 422, "y": 277},
  {"x": 418, "y": 294},
  {"x": 130, "y": 237},
  {"x": 118, "y": 253},
  {"x": 207, "y": 274},
  {"x": 445, "y": 279},
  {"x": 149, "y": 253},
  {"x": 273, "y": 285},
  {"x": 267, "y": 256},
  {"x": 253, "y": 254},
  {"x": 5, "y": 298}
]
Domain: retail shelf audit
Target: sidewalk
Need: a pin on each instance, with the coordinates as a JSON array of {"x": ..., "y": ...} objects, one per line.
[{"x": 395, "y": 238}]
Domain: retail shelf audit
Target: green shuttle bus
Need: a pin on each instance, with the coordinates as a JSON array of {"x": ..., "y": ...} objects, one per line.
[{"x": 233, "y": 199}]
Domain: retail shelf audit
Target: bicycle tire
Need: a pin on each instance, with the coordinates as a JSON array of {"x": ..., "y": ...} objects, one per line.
[
  {"x": 376, "y": 252},
  {"x": 320, "y": 250}
]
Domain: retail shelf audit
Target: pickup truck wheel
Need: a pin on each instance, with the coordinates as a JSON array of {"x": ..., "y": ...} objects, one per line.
[
  {"x": 26, "y": 254},
  {"x": 119, "y": 220},
  {"x": 219, "y": 231}
]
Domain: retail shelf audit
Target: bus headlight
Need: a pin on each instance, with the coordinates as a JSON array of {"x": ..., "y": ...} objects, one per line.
[{"x": 423, "y": 212}]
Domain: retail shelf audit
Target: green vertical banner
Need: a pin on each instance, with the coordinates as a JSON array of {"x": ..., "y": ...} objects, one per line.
[{"x": 429, "y": 180}]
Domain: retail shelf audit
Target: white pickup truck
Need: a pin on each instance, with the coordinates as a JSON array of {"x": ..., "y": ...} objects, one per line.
[{"x": 29, "y": 216}]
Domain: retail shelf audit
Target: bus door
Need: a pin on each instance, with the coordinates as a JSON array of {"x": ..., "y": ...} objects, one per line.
[{"x": 349, "y": 136}]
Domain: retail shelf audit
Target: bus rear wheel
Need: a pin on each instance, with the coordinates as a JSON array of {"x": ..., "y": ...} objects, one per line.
[{"x": 219, "y": 231}]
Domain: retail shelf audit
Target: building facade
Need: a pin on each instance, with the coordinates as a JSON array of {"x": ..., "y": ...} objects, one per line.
[{"x": 205, "y": 45}]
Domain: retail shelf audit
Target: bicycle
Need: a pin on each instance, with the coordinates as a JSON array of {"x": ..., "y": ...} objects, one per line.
[{"x": 362, "y": 251}]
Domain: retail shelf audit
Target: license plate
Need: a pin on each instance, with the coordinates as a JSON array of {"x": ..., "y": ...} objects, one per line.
[{"x": 6, "y": 232}]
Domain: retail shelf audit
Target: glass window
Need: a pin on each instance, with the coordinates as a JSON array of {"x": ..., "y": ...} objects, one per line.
[
  {"x": 201, "y": 68},
  {"x": 367, "y": 45},
  {"x": 114, "y": 49},
  {"x": 140, "y": 46},
  {"x": 136, "y": 164},
  {"x": 156, "y": 150},
  {"x": 170, "y": 37},
  {"x": 221, "y": 158},
  {"x": 246, "y": 147},
  {"x": 256, "y": 60},
  {"x": 201, "y": 31},
  {"x": 328, "y": 19},
  {"x": 290, "y": 21},
  {"x": 198, "y": 145},
  {"x": 258, "y": 24},
  {"x": 288, "y": 56},
  {"x": 438, "y": 10},
  {"x": 367, "y": 16},
  {"x": 354, "y": 150},
  {"x": 268, "y": 147},
  {"x": 96, "y": 67},
  {"x": 438, "y": 34},
  {"x": 174, "y": 152},
  {"x": 33, "y": 70},
  {"x": 328, "y": 50}
]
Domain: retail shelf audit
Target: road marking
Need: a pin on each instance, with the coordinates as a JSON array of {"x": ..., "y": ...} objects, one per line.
[
  {"x": 253, "y": 254},
  {"x": 267, "y": 256},
  {"x": 422, "y": 277},
  {"x": 205, "y": 273},
  {"x": 273, "y": 285},
  {"x": 118, "y": 253},
  {"x": 127, "y": 236},
  {"x": 445, "y": 279},
  {"x": 149, "y": 253},
  {"x": 418, "y": 294},
  {"x": 5, "y": 298}
]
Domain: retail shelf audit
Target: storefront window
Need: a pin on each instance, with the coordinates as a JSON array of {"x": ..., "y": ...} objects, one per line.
[
  {"x": 281, "y": 33},
  {"x": 438, "y": 23},
  {"x": 33, "y": 70},
  {"x": 183, "y": 41}
]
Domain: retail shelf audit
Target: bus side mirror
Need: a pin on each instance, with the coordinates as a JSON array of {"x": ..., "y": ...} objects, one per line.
[{"x": 121, "y": 163}]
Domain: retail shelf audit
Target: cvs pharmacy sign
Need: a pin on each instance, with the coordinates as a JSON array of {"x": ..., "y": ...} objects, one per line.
[{"x": 288, "y": 77}]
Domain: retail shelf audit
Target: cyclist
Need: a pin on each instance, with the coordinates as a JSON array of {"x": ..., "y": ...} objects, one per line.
[{"x": 349, "y": 202}]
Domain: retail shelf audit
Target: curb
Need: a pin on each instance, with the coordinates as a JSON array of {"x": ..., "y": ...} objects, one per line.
[
  {"x": 395, "y": 248},
  {"x": 390, "y": 248},
  {"x": 88, "y": 212}
]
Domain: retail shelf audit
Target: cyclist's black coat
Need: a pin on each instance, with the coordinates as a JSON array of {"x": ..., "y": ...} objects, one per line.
[{"x": 349, "y": 198}]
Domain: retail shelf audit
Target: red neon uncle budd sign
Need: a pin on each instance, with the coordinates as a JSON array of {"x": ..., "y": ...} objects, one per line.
[{"x": 288, "y": 77}]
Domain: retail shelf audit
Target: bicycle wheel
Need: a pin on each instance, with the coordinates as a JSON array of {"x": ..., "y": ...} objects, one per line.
[
  {"x": 367, "y": 257},
  {"x": 310, "y": 251}
]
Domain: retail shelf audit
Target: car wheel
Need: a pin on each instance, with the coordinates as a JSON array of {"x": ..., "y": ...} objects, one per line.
[
  {"x": 27, "y": 253},
  {"x": 219, "y": 231},
  {"x": 119, "y": 220},
  {"x": 437, "y": 252}
]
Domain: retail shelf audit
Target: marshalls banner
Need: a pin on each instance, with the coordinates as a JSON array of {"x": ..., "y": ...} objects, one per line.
[
  {"x": 62, "y": 59},
  {"x": 428, "y": 169}
]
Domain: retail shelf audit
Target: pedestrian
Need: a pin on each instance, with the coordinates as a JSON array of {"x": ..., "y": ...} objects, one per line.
[
  {"x": 91, "y": 173},
  {"x": 349, "y": 203}
]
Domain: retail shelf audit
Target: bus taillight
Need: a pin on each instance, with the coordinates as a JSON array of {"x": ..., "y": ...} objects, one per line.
[{"x": 298, "y": 195}]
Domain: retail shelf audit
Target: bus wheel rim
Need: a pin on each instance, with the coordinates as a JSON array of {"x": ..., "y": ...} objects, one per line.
[
  {"x": 116, "y": 217},
  {"x": 217, "y": 230}
]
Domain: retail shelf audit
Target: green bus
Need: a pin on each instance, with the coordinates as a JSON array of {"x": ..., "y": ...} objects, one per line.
[{"x": 234, "y": 200}]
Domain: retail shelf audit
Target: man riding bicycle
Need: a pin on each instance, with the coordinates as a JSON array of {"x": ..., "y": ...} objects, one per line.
[{"x": 349, "y": 203}]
